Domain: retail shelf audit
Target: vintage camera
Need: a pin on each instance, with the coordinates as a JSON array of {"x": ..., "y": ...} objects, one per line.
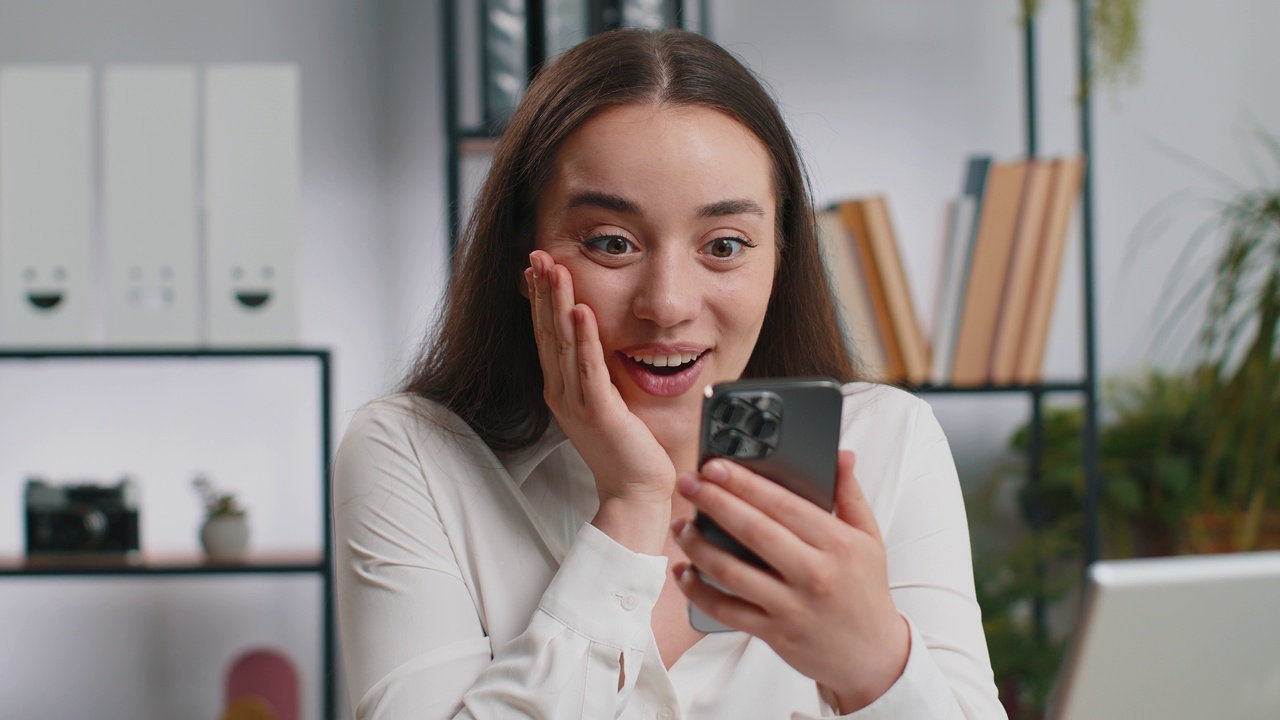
[{"x": 81, "y": 519}]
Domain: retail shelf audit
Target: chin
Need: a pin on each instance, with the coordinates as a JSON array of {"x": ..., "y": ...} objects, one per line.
[{"x": 674, "y": 426}]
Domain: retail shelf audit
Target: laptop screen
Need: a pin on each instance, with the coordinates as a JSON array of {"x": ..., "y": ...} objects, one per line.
[{"x": 1185, "y": 637}]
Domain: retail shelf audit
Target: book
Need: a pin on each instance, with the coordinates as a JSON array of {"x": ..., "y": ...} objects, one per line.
[
  {"x": 961, "y": 214},
  {"x": 988, "y": 264},
  {"x": 853, "y": 216},
  {"x": 975, "y": 181},
  {"x": 1066, "y": 176},
  {"x": 857, "y": 320},
  {"x": 876, "y": 240},
  {"x": 1024, "y": 251}
]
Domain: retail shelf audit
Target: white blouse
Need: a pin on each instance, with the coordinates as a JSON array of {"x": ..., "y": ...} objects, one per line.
[{"x": 473, "y": 585}]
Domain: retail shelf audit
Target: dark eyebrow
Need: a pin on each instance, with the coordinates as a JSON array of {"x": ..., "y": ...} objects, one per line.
[
  {"x": 608, "y": 201},
  {"x": 730, "y": 207},
  {"x": 617, "y": 203}
]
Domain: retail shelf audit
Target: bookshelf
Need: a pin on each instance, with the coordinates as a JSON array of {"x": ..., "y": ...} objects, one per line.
[
  {"x": 1085, "y": 387},
  {"x": 152, "y": 565}
]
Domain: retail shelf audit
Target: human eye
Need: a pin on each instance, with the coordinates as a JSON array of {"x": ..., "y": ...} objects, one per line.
[
  {"x": 615, "y": 245},
  {"x": 727, "y": 248}
]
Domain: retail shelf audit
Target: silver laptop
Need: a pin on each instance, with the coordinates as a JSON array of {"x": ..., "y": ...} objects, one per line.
[{"x": 1172, "y": 638}]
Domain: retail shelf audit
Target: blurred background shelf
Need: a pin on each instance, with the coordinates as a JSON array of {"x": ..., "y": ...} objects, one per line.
[
  {"x": 164, "y": 564},
  {"x": 192, "y": 564}
]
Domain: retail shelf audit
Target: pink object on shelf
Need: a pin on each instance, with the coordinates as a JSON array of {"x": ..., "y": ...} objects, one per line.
[
  {"x": 266, "y": 674},
  {"x": 250, "y": 707}
]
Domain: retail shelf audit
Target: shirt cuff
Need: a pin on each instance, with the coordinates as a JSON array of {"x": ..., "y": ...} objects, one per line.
[
  {"x": 605, "y": 592},
  {"x": 921, "y": 691}
]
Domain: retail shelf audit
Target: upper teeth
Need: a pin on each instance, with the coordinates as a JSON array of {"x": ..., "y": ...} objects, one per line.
[{"x": 665, "y": 360}]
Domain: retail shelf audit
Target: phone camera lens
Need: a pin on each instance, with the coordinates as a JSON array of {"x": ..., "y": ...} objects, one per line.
[
  {"x": 730, "y": 413},
  {"x": 727, "y": 442},
  {"x": 763, "y": 425}
]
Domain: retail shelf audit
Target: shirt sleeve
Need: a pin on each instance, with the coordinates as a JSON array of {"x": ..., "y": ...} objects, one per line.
[
  {"x": 413, "y": 643},
  {"x": 948, "y": 672}
]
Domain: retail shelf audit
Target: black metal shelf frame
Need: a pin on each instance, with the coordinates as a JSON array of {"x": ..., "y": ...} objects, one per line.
[
  {"x": 1088, "y": 385},
  {"x": 1089, "y": 381},
  {"x": 325, "y": 568},
  {"x": 602, "y": 15}
]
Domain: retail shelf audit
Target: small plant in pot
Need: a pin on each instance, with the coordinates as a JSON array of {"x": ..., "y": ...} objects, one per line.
[{"x": 225, "y": 532}]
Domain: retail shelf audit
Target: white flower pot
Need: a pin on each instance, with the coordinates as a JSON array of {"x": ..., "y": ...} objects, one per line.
[{"x": 225, "y": 537}]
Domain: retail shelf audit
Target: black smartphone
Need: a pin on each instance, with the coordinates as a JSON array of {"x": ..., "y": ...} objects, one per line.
[{"x": 785, "y": 429}]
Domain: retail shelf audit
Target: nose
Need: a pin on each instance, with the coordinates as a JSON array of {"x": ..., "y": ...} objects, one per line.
[{"x": 670, "y": 290}]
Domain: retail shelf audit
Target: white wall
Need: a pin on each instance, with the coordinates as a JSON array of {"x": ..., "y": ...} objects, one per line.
[
  {"x": 1184, "y": 131},
  {"x": 885, "y": 97}
]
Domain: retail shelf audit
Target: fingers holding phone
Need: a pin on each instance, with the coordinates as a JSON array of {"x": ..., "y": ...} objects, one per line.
[
  {"x": 811, "y": 583},
  {"x": 786, "y": 430}
]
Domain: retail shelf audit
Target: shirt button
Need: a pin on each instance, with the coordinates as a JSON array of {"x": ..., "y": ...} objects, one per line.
[
  {"x": 666, "y": 713},
  {"x": 629, "y": 601}
]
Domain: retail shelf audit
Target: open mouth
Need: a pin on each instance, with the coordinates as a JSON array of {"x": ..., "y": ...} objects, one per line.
[
  {"x": 672, "y": 364},
  {"x": 665, "y": 374}
]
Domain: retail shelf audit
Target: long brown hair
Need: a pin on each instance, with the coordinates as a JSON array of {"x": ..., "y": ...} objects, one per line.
[{"x": 482, "y": 362}]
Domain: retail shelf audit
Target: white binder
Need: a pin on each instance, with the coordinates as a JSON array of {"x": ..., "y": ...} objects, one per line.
[
  {"x": 46, "y": 290},
  {"x": 251, "y": 203},
  {"x": 149, "y": 212}
]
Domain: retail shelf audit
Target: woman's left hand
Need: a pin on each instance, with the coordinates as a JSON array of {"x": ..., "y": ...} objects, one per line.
[{"x": 825, "y": 608}]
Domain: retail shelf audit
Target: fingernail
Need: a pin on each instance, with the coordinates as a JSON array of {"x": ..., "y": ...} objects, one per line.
[
  {"x": 677, "y": 525},
  {"x": 533, "y": 265},
  {"x": 687, "y": 484},
  {"x": 679, "y": 571},
  {"x": 578, "y": 315},
  {"x": 715, "y": 471},
  {"x": 554, "y": 278}
]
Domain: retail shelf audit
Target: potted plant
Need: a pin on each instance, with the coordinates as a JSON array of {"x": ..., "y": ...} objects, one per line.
[
  {"x": 1189, "y": 460},
  {"x": 1239, "y": 482},
  {"x": 224, "y": 535}
]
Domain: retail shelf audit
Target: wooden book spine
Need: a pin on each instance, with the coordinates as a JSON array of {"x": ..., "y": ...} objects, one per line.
[
  {"x": 906, "y": 322},
  {"x": 1027, "y": 241},
  {"x": 1067, "y": 176},
  {"x": 987, "y": 269},
  {"x": 853, "y": 213},
  {"x": 857, "y": 320}
]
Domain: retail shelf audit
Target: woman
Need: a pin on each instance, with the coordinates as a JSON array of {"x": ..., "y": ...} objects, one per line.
[{"x": 513, "y": 535}]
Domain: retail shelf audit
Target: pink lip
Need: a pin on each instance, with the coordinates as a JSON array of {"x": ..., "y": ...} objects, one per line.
[{"x": 664, "y": 385}]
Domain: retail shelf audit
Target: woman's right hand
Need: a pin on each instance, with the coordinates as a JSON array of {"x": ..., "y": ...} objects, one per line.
[{"x": 634, "y": 476}]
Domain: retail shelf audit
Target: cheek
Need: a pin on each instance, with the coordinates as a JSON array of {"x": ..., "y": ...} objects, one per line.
[
  {"x": 749, "y": 319},
  {"x": 602, "y": 291},
  {"x": 743, "y": 306}
]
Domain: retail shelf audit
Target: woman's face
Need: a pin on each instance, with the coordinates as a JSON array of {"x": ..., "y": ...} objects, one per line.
[{"x": 665, "y": 218}]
